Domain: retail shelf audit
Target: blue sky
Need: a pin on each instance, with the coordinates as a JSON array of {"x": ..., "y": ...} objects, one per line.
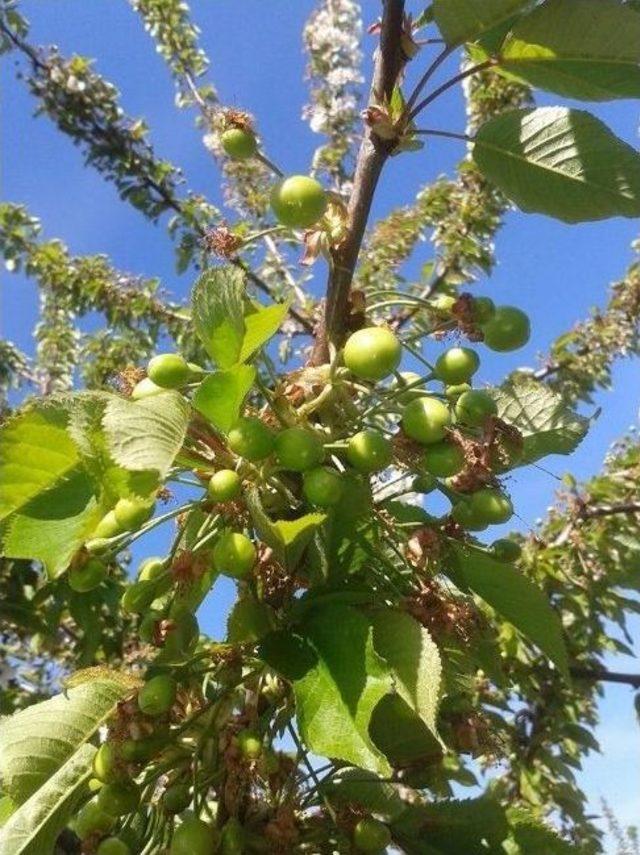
[{"x": 553, "y": 271}]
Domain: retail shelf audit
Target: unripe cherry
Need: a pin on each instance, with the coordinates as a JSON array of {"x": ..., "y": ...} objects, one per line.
[
  {"x": 145, "y": 388},
  {"x": 158, "y": 695},
  {"x": 426, "y": 420},
  {"x": 298, "y": 201},
  {"x": 322, "y": 486},
  {"x": 194, "y": 837},
  {"x": 251, "y": 438},
  {"x": 88, "y": 576},
  {"x": 371, "y": 835},
  {"x": 473, "y": 408},
  {"x": 369, "y": 451},
  {"x": 113, "y": 846},
  {"x": 132, "y": 513},
  {"x": 224, "y": 485},
  {"x": 119, "y": 798},
  {"x": 372, "y": 353},
  {"x": 443, "y": 459},
  {"x": 505, "y": 549},
  {"x": 298, "y": 449},
  {"x": 457, "y": 365},
  {"x": 238, "y": 143},
  {"x": 491, "y": 506},
  {"x": 234, "y": 555},
  {"x": 508, "y": 329},
  {"x": 169, "y": 370}
]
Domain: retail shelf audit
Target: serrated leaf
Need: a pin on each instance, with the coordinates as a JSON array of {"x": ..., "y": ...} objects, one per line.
[
  {"x": 546, "y": 423},
  {"x": 410, "y": 652},
  {"x": 401, "y": 735},
  {"x": 35, "y": 453},
  {"x": 560, "y": 162},
  {"x": 338, "y": 680},
  {"x": 287, "y": 538},
  {"x": 531, "y": 835},
  {"x": 221, "y": 395},
  {"x": 515, "y": 598},
  {"x": 52, "y": 526},
  {"x": 35, "y": 826},
  {"x": 36, "y": 741},
  {"x": 260, "y": 326},
  {"x": 464, "y": 20},
  {"x": 249, "y": 620},
  {"x": 218, "y": 313},
  {"x": 147, "y": 434},
  {"x": 587, "y": 49}
]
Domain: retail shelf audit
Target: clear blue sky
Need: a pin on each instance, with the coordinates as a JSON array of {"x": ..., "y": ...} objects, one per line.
[{"x": 553, "y": 271}]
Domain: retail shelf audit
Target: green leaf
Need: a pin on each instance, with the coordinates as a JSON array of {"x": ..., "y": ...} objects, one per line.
[
  {"x": 38, "y": 740},
  {"x": 546, "y": 423},
  {"x": 52, "y": 526},
  {"x": 560, "y": 162},
  {"x": 514, "y": 598},
  {"x": 587, "y": 49},
  {"x": 287, "y": 538},
  {"x": 337, "y": 680},
  {"x": 35, "y": 826},
  {"x": 453, "y": 827},
  {"x": 464, "y": 20},
  {"x": 218, "y": 313},
  {"x": 401, "y": 736},
  {"x": 146, "y": 434},
  {"x": 261, "y": 325},
  {"x": 410, "y": 652},
  {"x": 531, "y": 835},
  {"x": 221, "y": 395},
  {"x": 249, "y": 620},
  {"x": 35, "y": 453},
  {"x": 7, "y": 807}
]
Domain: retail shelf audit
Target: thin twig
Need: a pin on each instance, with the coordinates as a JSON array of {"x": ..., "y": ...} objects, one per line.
[{"x": 474, "y": 69}]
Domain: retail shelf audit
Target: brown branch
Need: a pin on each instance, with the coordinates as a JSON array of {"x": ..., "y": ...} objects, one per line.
[
  {"x": 371, "y": 159},
  {"x": 601, "y": 674},
  {"x": 610, "y": 510}
]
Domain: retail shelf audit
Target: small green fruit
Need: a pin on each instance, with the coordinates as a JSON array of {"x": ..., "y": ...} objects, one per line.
[
  {"x": 120, "y": 798},
  {"x": 176, "y": 798},
  {"x": 298, "y": 202},
  {"x": 113, "y": 846},
  {"x": 483, "y": 309},
  {"x": 372, "y": 353},
  {"x": 464, "y": 515},
  {"x": 369, "y": 451},
  {"x": 491, "y": 506},
  {"x": 147, "y": 629},
  {"x": 145, "y": 388},
  {"x": 443, "y": 304},
  {"x": 414, "y": 384},
  {"x": 239, "y": 144},
  {"x": 505, "y": 549},
  {"x": 105, "y": 763},
  {"x": 88, "y": 576},
  {"x": 98, "y": 545},
  {"x": 194, "y": 837},
  {"x": 250, "y": 438},
  {"x": 298, "y": 449},
  {"x": 322, "y": 487},
  {"x": 142, "y": 750},
  {"x": 508, "y": 329},
  {"x": 371, "y": 835},
  {"x": 158, "y": 695},
  {"x": 473, "y": 408},
  {"x": 232, "y": 840},
  {"x": 457, "y": 365},
  {"x": 224, "y": 485},
  {"x": 443, "y": 459},
  {"x": 132, "y": 513},
  {"x": 453, "y": 392},
  {"x": 183, "y": 637},
  {"x": 107, "y": 527},
  {"x": 169, "y": 370},
  {"x": 138, "y": 597},
  {"x": 234, "y": 555},
  {"x": 250, "y": 744},
  {"x": 92, "y": 819},
  {"x": 151, "y": 568},
  {"x": 426, "y": 420}
]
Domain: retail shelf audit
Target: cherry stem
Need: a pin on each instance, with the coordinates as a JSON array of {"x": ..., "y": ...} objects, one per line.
[{"x": 475, "y": 69}]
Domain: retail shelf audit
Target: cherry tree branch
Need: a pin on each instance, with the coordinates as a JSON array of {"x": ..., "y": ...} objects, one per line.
[
  {"x": 602, "y": 675},
  {"x": 371, "y": 159}
]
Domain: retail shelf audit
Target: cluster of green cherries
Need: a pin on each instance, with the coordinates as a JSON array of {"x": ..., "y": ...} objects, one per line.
[{"x": 118, "y": 794}]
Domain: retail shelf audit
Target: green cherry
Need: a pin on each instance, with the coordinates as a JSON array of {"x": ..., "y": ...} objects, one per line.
[
  {"x": 473, "y": 408},
  {"x": 322, "y": 486},
  {"x": 425, "y": 484},
  {"x": 371, "y": 835},
  {"x": 508, "y": 329},
  {"x": 145, "y": 388},
  {"x": 239, "y": 144},
  {"x": 169, "y": 370},
  {"x": 457, "y": 365},
  {"x": 483, "y": 309},
  {"x": 113, "y": 846},
  {"x": 491, "y": 506},
  {"x": 132, "y": 513},
  {"x": 426, "y": 420},
  {"x": 107, "y": 527},
  {"x": 251, "y": 438},
  {"x": 234, "y": 555},
  {"x": 443, "y": 459},
  {"x": 224, "y": 485},
  {"x": 176, "y": 798},
  {"x": 298, "y": 449},
  {"x": 452, "y": 393},
  {"x": 119, "y": 798},
  {"x": 92, "y": 819},
  {"x": 151, "y": 568},
  {"x": 464, "y": 515},
  {"x": 298, "y": 202},
  {"x": 158, "y": 695},
  {"x": 250, "y": 744},
  {"x": 105, "y": 763},
  {"x": 194, "y": 837},
  {"x": 138, "y": 597},
  {"x": 372, "y": 353},
  {"x": 369, "y": 451},
  {"x": 87, "y": 577}
]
